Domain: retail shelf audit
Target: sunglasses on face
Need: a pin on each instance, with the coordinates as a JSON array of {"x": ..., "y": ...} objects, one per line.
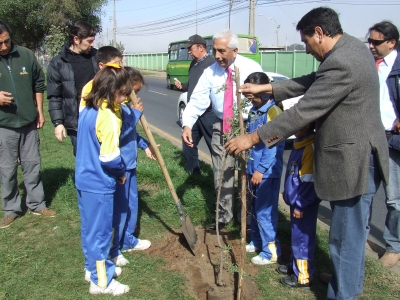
[{"x": 376, "y": 42}]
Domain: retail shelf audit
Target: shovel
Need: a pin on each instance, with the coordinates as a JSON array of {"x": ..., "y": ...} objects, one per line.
[{"x": 187, "y": 227}]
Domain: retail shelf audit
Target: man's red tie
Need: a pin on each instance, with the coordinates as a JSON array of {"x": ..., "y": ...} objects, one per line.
[
  {"x": 228, "y": 103},
  {"x": 377, "y": 62}
]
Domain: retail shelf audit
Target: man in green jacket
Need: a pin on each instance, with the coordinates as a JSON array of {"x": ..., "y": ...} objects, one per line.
[{"x": 21, "y": 114}]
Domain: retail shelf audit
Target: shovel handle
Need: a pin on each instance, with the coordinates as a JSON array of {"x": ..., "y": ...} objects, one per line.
[{"x": 160, "y": 160}]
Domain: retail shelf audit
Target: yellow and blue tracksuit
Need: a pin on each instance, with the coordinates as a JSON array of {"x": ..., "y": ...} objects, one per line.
[
  {"x": 126, "y": 196},
  {"x": 269, "y": 162},
  {"x": 299, "y": 193},
  {"x": 98, "y": 165}
]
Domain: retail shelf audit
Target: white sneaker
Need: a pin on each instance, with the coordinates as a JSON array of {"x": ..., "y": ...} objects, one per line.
[
  {"x": 120, "y": 261},
  {"x": 250, "y": 248},
  {"x": 114, "y": 288},
  {"x": 141, "y": 245},
  {"x": 117, "y": 272},
  {"x": 259, "y": 260}
]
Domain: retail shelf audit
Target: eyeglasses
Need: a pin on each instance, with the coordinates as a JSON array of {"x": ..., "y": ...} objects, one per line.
[
  {"x": 191, "y": 47},
  {"x": 376, "y": 42}
]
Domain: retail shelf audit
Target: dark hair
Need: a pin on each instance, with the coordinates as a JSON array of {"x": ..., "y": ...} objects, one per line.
[
  {"x": 324, "y": 17},
  {"x": 82, "y": 30},
  {"x": 106, "y": 84},
  {"x": 135, "y": 75},
  {"x": 106, "y": 53},
  {"x": 257, "y": 78},
  {"x": 4, "y": 27},
  {"x": 388, "y": 30}
]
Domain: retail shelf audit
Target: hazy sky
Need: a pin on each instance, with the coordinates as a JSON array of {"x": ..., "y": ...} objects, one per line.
[{"x": 147, "y": 26}]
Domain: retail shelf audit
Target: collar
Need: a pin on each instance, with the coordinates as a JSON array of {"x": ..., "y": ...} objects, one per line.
[
  {"x": 201, "y": 59},
  {"x": 390, "y": 58},
  {"x": 300, "y": 143},
  {"x": 264, "y": 108}
]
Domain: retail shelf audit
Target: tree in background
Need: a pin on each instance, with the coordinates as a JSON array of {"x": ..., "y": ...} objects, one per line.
[
  {"x": 119, "y": 46},
  {"x": 32, "y": 20},
  {"x": 295, "y": 47}
]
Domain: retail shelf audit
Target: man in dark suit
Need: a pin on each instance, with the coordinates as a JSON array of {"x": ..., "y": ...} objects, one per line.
[
  {"x": 351, "y": 155},
  {"x": 196, "y": 47}
]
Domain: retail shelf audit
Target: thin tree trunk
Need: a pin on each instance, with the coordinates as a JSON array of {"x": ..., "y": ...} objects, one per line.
[{"x": 243, "y": 191}]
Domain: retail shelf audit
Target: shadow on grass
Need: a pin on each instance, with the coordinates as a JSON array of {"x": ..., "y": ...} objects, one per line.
[
  {"x": 205, "y": 182},
  {"x": 52, "y": 180}
]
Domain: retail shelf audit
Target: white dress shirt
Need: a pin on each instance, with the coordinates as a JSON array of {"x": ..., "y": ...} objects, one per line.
[
  {"x": 388, "y": 114},
  {"x": 211, "y": 87}
]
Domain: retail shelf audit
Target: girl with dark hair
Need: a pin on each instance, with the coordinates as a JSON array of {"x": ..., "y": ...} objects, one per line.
[
  {"x": 99, "y": 168},
  {"x": 264, "y": 170},
  {"x": 126, "y": 195}
]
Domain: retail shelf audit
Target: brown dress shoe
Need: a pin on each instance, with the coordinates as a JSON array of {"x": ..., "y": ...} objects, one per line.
[
  {"x": 47, "y": 212},
  {"x": 389, "y": 259},
  {"x": 7, "y": 220}
]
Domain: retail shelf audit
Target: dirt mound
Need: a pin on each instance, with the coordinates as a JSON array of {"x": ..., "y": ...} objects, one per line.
[{"x": 201, "y": 270}]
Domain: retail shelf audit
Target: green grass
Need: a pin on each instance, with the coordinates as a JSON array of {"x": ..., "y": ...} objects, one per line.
[{"x": 41, "y": 258}]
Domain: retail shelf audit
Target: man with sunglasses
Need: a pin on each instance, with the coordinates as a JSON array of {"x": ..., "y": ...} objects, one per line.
[
  {"x": 384, "y": 45},
  {"x": 196, "y": 47}
]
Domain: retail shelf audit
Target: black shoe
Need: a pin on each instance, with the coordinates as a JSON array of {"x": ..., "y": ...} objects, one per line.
[
  {"x": 291, "y": 282},
  {"x": 213, "y": 226},
  {"x": 285, "y": 269}
]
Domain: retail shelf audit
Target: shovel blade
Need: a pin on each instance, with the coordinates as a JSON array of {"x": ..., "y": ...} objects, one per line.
[{"x": 189, "y": 232}]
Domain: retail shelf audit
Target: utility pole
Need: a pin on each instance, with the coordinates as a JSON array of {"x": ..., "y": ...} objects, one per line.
[
  {"x": 115, "y": 26},
  {"x": 251, "y": 18},
  {"x": 196, "y": 16},
  {"x": 230, "y": 10}
]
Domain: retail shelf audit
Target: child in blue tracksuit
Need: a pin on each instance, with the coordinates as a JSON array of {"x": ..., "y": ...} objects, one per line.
[
  {"x": 299, "y": 194},
  {"x": 126, "y": 196},
  {"x": 99, "y": 168},
  {"x": 264, "y": 171}
]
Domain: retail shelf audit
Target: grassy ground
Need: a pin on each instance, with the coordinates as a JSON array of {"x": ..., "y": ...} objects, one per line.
[{"x": 41, "y": 258}]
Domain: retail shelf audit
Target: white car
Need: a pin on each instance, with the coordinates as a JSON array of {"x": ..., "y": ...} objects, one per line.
[{"x": 182, "y": 101}]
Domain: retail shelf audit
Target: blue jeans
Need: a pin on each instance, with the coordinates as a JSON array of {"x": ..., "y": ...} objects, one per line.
[
  {"x": 74, "y": 140},
  {"x": 391, "y": 234},
  {"x": 347, "y": 237}
]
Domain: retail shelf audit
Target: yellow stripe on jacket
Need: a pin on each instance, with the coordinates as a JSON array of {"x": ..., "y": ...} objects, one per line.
[
  {"x": 108, "y": 130},
  {"x": 85, "y": 91},
  {"x": 273, "y": 112}
]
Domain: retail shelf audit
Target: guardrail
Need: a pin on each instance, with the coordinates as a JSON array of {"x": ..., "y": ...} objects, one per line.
[{"x": 289, "y": 63}]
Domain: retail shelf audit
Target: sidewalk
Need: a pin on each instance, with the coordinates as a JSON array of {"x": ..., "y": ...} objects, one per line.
[
  {"x": 162, "y": 74},
  {"x": 372, "y": 250}
]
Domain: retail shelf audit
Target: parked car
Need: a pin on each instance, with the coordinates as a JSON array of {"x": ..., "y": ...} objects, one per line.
[{"x": 182, "y": 101}]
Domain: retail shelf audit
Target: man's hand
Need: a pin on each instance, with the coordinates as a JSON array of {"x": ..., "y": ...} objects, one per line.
[
  {"x": 150, "y": 153},
  {"x": 250, "y": 89},
  {"x": 396, "y": 126},
  {"x": 122, "y": 179},
  {"x": 297, "y": 214},
  {"x": 6, "y": 98},
  {"x": 178, "y": 84},
  {"x": 59, "y": 132},
  {"x": 187, "y": 136},
  {"x": 256, "y": 178},
  {"x": 241, "y": 143},
  {"x": 40, "y": 120},
  {"x": 138, "y": 105}
]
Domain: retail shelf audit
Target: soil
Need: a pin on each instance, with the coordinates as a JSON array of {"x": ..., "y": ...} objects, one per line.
[{"x": 201, "y": 270}]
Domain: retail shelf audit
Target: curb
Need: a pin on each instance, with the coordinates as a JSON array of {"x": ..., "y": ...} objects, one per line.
[{"x": 371, "y": 250}]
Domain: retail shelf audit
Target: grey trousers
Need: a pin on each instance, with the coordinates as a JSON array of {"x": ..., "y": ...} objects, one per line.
[
  {"x": 22, "y": 143},
  {"x": 218, "y": 155}
]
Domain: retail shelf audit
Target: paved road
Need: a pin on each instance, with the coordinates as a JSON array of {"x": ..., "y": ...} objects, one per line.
[{"x": 161, "y": 112}]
